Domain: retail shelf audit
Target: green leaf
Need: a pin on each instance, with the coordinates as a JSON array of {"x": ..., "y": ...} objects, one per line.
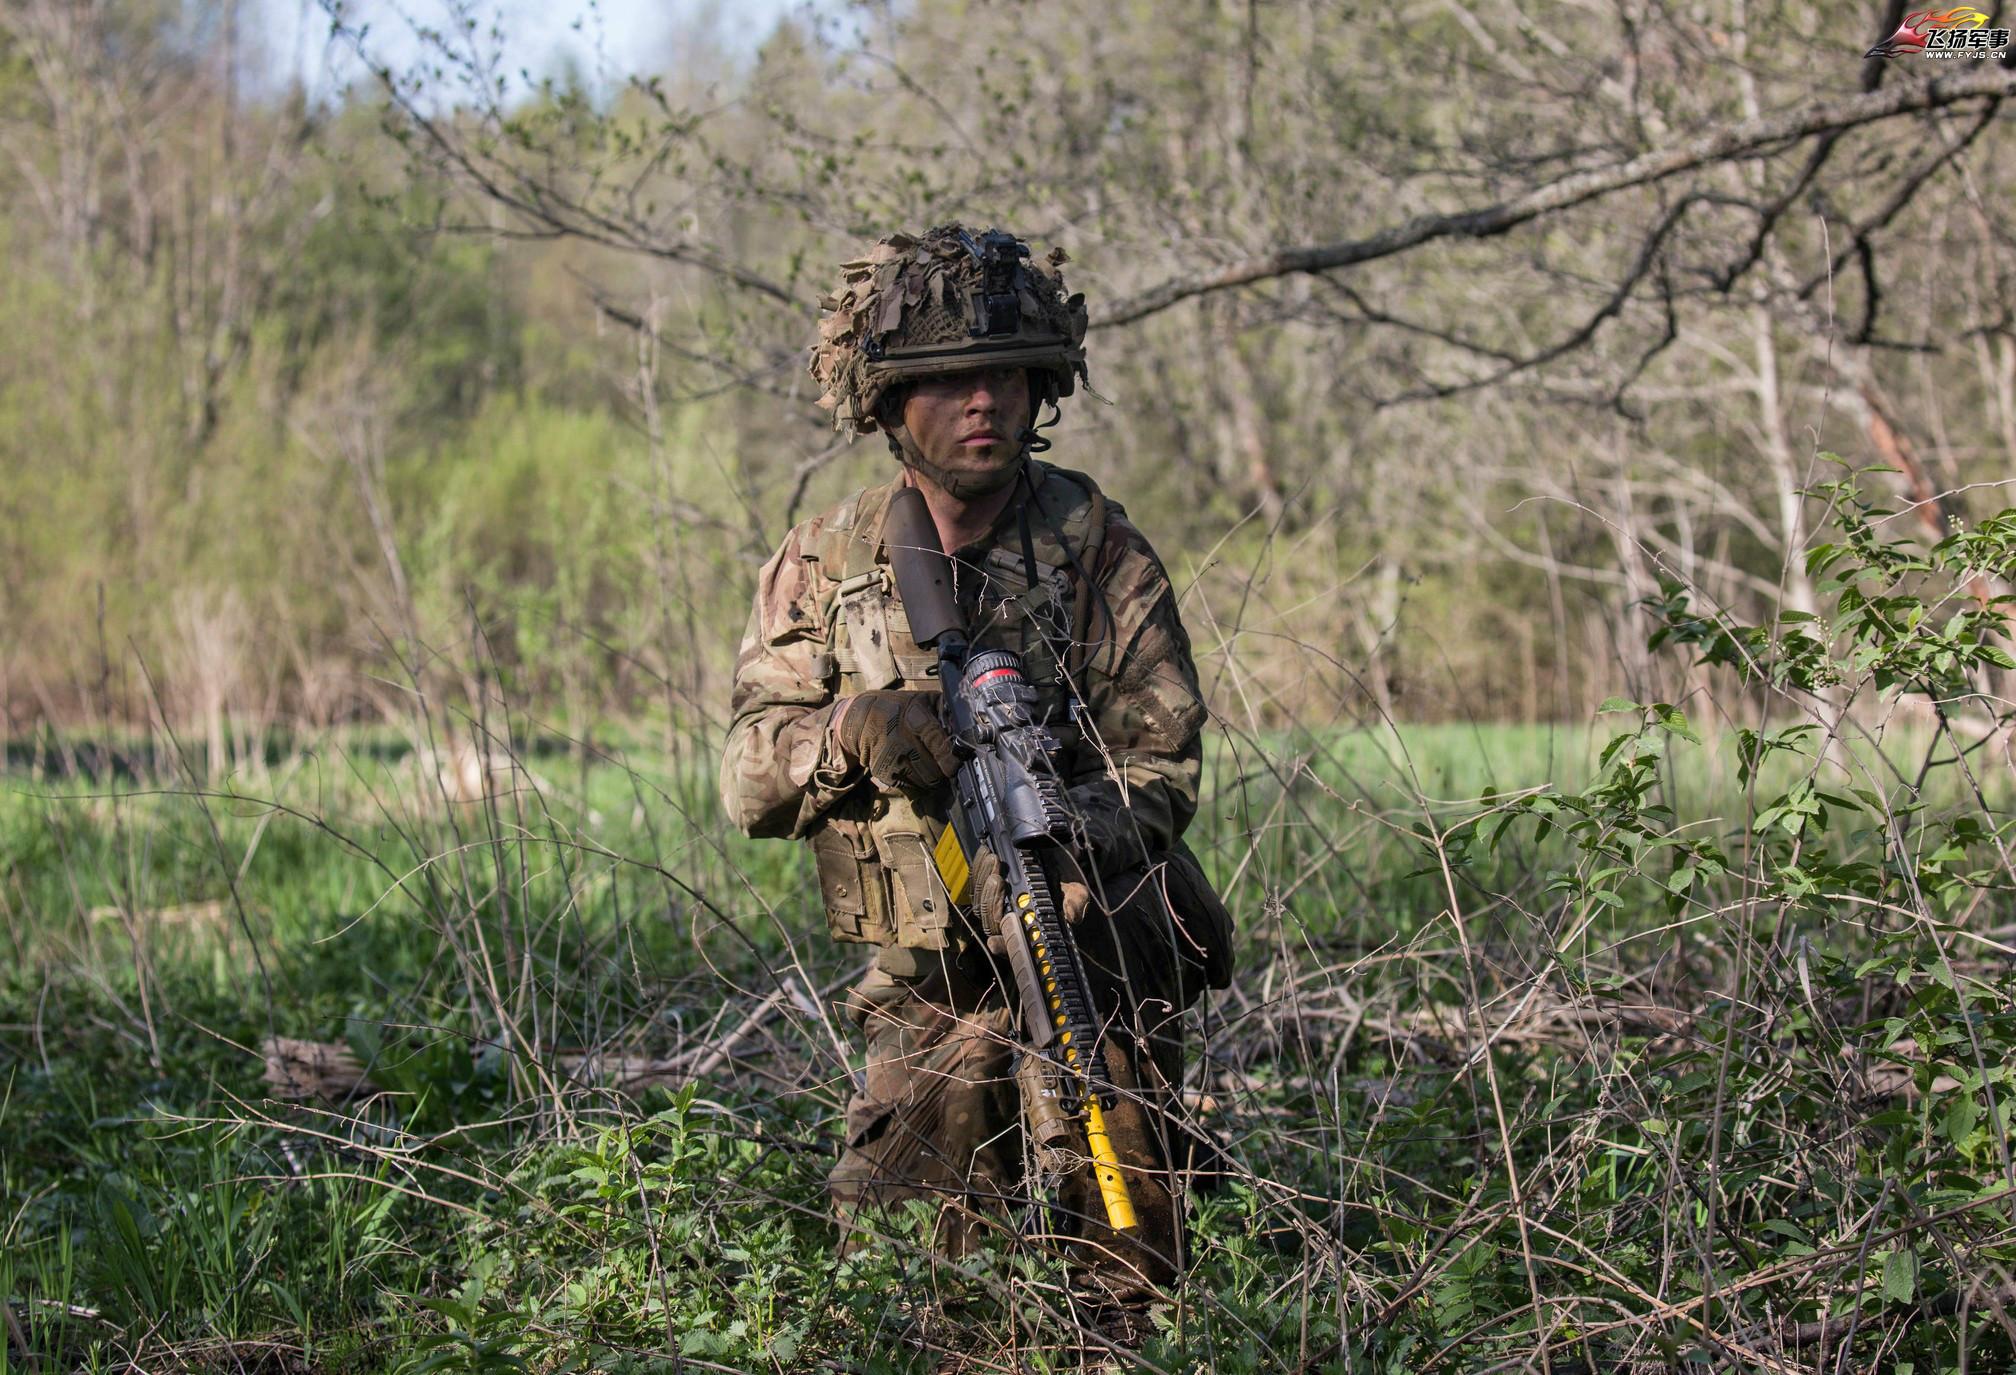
[
  {"x": 1961, "y": 1118},
  {"x": 1618, "y": 704},
  {"x": 1675, "y": 721},
  {"x": 1900, "y": 1276}
]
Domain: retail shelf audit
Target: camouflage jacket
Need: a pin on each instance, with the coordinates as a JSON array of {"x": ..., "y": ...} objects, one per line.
[{"x": 827, "y": 622}]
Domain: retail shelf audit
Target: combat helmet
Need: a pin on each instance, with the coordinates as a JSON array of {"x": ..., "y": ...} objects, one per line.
[{"x": 950, "y": 301}]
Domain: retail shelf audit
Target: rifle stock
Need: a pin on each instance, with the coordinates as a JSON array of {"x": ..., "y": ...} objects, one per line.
[{"x": 923, "y": 573}]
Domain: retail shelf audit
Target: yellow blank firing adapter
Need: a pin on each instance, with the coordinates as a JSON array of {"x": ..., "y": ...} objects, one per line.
[{"x": 1106, "y": 1168}]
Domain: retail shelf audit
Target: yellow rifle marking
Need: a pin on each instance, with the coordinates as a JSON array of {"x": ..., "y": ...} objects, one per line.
[{"x": 953, "y": 869}]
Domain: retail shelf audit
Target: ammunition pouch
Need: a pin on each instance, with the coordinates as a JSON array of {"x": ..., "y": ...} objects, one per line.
[
  {"x": 921, "y": 911},
  {"x": 850, "y": 880},
  {"x": 877, "y": 876}
]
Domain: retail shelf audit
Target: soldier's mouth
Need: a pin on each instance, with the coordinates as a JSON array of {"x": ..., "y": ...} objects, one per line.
[{"x": 984, "y": 438}]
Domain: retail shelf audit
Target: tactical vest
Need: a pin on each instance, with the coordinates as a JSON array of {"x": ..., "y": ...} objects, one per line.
[{"x": 874, "y": 851}]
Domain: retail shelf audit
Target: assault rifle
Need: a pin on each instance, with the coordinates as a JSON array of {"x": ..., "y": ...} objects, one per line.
[{"x": 1008, "y": 799}]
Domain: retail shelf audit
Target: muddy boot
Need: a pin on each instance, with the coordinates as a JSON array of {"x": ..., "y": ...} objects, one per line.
[{"x": 1111, "y": 1334}]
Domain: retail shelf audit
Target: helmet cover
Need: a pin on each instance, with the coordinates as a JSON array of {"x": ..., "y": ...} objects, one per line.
[{"x": 949, "y": 302}]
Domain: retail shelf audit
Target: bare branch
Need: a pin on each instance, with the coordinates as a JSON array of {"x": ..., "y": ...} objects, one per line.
[{"x": 1744, "y": 139}]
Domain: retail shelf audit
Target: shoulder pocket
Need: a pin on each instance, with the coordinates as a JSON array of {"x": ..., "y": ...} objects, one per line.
[
  {"x": 799, "y": 615},
  {"x": 797, "y": 608}
]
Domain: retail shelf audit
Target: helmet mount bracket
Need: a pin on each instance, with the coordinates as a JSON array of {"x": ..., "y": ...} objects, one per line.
[{"x": 997, "y": 305}]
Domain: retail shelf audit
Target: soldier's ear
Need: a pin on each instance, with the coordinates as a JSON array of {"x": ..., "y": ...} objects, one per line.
[{"x": 1042, "y": 391}]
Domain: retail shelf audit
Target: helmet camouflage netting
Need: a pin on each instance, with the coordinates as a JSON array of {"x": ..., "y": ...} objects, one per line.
[{"x": 951, "y": 301}]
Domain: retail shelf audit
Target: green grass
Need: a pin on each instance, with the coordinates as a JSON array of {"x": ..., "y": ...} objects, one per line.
[{"x": 161, "y": 1209}]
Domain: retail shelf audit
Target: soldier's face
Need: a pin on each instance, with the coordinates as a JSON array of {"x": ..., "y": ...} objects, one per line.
[{"x": 966, "y": 423}]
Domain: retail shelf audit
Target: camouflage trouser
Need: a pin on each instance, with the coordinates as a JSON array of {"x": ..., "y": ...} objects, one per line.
[{"x": 940, "y": 1115}]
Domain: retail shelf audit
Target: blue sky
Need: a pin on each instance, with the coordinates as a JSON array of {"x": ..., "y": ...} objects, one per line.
[{"x": 605, "y": 40}]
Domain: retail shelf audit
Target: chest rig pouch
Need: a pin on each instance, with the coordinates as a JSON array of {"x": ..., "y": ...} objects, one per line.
[
  {"x": 874, "y": 851},
  {"x": 1034, "y": 621}
]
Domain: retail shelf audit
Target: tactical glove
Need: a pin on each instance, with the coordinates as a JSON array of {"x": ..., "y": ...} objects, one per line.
[
  {"x": 990, "y": 900},
  {"x": 897, "y": 738}
]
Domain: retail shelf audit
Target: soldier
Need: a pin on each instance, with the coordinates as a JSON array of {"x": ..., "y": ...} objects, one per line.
[{"x": 836, "y": 740}]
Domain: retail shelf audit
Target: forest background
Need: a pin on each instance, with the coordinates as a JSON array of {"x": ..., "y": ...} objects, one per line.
[
  {"x": 1580, "y": 437},
  {"x": 284, "y": 390}
]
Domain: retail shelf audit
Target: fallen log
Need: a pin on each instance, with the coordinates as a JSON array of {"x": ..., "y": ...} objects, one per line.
[{"x": 329, "y": 1072}]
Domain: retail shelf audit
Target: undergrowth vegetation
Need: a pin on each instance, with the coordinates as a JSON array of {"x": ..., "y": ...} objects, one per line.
[{"x": 1682, "y": 1042}]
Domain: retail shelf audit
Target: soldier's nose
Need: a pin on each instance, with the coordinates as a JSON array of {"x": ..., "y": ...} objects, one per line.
[{"x": 987, "y": 387}]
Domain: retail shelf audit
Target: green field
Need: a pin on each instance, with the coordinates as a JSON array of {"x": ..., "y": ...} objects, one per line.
[{"x": 1454, "y": 1078}]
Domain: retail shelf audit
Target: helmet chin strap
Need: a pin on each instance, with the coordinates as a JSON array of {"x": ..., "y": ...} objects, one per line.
[{"x": 964, "y": 486}]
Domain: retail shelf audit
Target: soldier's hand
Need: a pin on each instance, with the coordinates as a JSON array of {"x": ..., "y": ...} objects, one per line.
[
  {"x": 990, "y": 900},
  {"x": 896, "y": 736}
]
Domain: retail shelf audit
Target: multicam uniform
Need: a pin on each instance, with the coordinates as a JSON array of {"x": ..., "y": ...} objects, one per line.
[{"x": 939, "y": 1113}]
